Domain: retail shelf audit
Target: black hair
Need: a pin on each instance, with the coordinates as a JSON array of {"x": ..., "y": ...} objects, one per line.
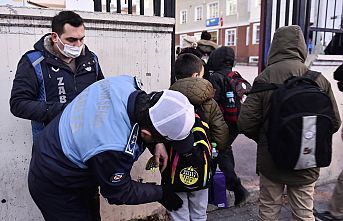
[
  {"x": 205, "y": 35},
  {"x": 145, "y": 101},
  {"x": 187, "y": 64},
  {"x": 65, "y": 17}
]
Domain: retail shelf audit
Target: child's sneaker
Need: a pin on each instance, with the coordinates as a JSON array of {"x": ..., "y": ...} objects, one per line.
[{"x": 241, "y": 195}]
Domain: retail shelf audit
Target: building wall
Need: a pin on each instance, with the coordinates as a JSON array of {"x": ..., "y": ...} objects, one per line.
[
  {"x": 134, "y": 45},
  {"x": 248, "y": 12}
]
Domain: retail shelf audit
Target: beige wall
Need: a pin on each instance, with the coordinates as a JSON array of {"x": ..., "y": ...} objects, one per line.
[
  {"x": 241, "y": 18},
  {"x": 125, "y": 44}
]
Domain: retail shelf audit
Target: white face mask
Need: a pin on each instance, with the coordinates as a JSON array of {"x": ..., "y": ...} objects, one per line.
[{"x": 70, "y": 51}]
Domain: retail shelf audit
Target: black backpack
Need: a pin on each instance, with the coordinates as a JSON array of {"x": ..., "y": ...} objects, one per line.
[
  {"x": 190, "y": 171},
  {"x": 300, "y": 124}
]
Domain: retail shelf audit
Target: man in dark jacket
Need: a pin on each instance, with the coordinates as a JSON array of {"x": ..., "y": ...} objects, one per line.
[
  {"x": 286, "y": 58},
  {"x": 95, "y": 142},
  {"x": 220, "y": 64},
  {"x": 52, "y": 75}
]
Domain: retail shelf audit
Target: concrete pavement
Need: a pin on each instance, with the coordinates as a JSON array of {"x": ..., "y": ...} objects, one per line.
[{"x": 249, "y": 211}]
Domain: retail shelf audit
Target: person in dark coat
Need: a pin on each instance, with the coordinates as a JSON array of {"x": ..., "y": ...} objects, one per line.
[
  {"x": 49, "y": 77},
  {"x": 67, "y": 68},
  {"x": 286, "y": 58},
  {"x": 219, "y": 64}
]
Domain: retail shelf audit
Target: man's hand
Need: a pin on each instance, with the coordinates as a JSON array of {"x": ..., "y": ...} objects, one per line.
[
  {"x": 170, "y": 200},
  {"x": 161, "y": 156}
]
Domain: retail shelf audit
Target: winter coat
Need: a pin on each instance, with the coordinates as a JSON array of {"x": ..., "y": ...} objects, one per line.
[
  {"x": 286, "y": 58},
  {"x": 200, "y": 92},
  {"x": 61, "y": 84},
  {"x": 220, "y": 64}
]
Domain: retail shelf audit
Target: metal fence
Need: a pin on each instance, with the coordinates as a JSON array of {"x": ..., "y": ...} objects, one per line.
[
  {"x": 169, "y": 11},
  {"x": 319, "y": 20}
]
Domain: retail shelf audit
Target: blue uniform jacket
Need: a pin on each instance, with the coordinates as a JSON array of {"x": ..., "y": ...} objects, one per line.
[{"x": 86, "y": 145}]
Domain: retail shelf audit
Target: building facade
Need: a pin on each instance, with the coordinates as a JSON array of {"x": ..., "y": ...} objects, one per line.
[{"x": 230, "y": 22}]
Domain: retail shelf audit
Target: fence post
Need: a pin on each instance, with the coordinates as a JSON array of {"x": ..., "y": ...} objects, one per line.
[
  {"x": 169, "y": 11},
  {"x": 97, "y": 5}
]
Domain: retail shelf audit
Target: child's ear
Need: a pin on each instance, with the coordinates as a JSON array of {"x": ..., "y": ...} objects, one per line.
[
  {"x": 195, "y": 75},
  {"x": 146, "y": 135}
]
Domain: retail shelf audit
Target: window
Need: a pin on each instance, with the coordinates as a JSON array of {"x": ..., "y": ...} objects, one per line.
[
  {"x": 213, "y": 10},
  {"x": 256, "y": 33},
  {"x": 198, "y": 13},
  {"x": 247, "y": 39},
  {"x": 231, "y": 7},
  {"x": 230, "y": 37},
  {"x": 183, "y": 16},
  {"x": 197, "y": 35}
]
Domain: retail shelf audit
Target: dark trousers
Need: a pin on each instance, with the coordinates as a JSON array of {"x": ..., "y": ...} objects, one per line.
[
  {"x": 226, "y": 161},
  {"x": 64, "y": 204}
]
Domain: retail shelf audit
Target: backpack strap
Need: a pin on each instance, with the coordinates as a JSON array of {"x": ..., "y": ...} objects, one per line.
[
  {"x": 96, "y": 64},
  {"x": 260, "y": 87},
  {"x": 313, "y": 75},
  {"x": 35, "y": 58},
  {"x": 232, "y": 73}
]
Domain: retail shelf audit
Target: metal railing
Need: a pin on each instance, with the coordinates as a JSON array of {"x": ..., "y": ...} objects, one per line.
[
  {"x": 319, "y": 25},
  {"x": 169, "y": 7},
  {"x": 169, "y": 11}
]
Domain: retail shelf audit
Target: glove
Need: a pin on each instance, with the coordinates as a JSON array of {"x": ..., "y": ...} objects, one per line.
[{"x": 170, "y": 200}]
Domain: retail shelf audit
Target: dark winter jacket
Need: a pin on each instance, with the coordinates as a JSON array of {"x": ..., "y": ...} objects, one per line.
[
  {"x": 61, "y": 84},
  {"x": 200, "y": 92},
  {"x": 286, "y": 58},
  {"x": 219, "y": 64}
]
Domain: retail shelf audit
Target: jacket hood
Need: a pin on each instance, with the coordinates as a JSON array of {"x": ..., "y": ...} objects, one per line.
[
  {"x": 207, "y": 46},
  {"x": 39, "y": 45},
  {"x": 221, "y": 59},
  {"x": 197, "y": 90},
  {"x": 288, "y": 43}
]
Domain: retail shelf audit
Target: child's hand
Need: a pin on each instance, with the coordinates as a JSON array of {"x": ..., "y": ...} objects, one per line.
[{"x": 161, "y": 156}]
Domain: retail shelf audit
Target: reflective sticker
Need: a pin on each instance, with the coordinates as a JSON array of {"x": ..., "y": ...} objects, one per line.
[
  {"x": 88, "y": 68},
  {"x": 189, "y": 176},
  {"x": 55, "y": 69},
  {"x": 131, "y": 144},
  {"x": 307, "y": 155},
  {"x": 139, "y": 83},
  {"x": 116, "y": 177}
]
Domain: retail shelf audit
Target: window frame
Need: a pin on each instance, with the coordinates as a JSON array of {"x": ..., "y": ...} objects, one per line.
[
  {"x": 208, "y": 9},
  {"x": 227, "y": 39},
  {"x": 255, "y": 36},
  {"x": 247, "y": 37},
  {"x": 181, "y": 16},
  {"x": 228, "y": 11},
  {"x": 196, "y": 13}
]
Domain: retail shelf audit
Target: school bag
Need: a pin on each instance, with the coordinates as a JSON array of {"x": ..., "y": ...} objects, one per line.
[
  {"x": 300, "y": 124},
  {"x": 234, "y": 96},
  {"x": 188, "y": 172}
]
